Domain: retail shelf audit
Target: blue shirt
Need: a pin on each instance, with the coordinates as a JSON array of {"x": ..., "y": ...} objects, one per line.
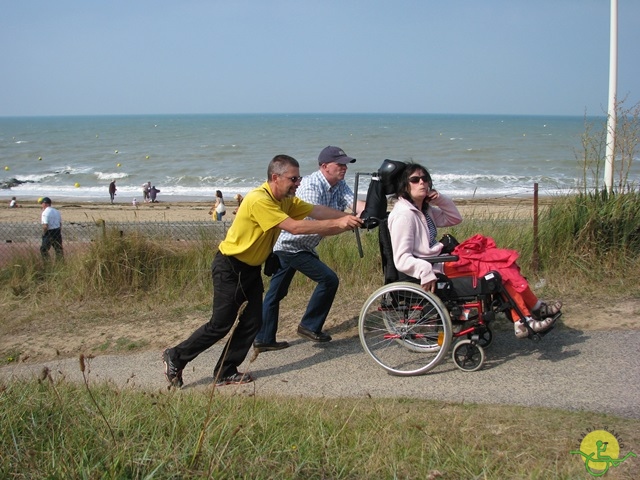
[{"x": 315, "y": 189}]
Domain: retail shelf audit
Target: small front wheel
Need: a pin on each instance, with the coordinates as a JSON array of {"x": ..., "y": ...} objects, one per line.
[
  {"x": 485, "y": 338},
  {"x": 468, "y": 355}
]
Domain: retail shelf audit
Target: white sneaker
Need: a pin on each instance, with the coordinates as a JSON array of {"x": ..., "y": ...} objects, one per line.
[
  {"x": 541, "y": 325},
  {"x": 520, "y": 329}
]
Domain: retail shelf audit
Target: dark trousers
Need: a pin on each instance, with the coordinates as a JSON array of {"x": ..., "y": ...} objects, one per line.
[
  {"x": 320, "y": 303},
  {"x": 234, "y": 282},
  {"x": 52, "y": 238}
]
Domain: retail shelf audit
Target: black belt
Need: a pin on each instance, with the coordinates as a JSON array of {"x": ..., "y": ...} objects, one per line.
[{"x": 238, "y": 264}]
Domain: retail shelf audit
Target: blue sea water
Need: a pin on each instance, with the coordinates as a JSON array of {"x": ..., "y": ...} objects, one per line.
[{"x": 188, "y": 157}]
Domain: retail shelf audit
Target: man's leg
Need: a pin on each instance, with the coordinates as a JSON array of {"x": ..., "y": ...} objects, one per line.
[
  {"x": 228, "y": 295},
  {"x": 56, "y": 242},
  {"x": 324, "y": 293},
  {"x": 278, "y": 289},
  {"x": 237, "y": 347},
  {"x": 45, "y": 246}
]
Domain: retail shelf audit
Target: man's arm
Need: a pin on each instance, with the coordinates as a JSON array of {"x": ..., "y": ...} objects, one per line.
[
  {"x": 321, "y": 212},
  {"x": 336, "y": 223}
]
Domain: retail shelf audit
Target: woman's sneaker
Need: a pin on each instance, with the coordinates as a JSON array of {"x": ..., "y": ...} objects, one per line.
[
  {"x": 542, "y": 325},
  {"x": 547, "y": 310},
  {"x": 520, "y": 329}
]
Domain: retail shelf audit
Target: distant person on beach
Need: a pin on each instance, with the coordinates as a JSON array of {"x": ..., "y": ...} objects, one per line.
[
  {"x": 153, "y": 194},
  {"x": 238, "y": 199},
  {"x": 413, "y": 223},
  {"x": 112, "y": 190},
  {"x": 51, "y": 221},
  {"x": 219, "y": 209},
  {"x": 14, "y": 203},
  {"x": 146, "y": 187},
  {"x": 326, "y": 186},
  {"x": 134, "y": 202},
  {"x": 237, "y": 279}
]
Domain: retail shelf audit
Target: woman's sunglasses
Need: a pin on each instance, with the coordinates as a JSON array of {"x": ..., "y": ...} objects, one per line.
[{"x": 424, "y": 178}]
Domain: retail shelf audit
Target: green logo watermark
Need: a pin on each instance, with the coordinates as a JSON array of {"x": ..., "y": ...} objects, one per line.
[{"x": 601, "y": 451}]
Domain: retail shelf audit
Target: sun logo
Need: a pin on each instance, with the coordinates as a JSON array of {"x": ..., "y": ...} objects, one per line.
[{"x": 600, "y": 450}]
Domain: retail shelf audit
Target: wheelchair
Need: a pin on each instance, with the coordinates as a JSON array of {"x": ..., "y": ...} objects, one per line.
[{"x": 408, "y": 331}]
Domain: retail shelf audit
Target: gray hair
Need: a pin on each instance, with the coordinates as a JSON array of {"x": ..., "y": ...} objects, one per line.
[{"x": 279, "y": 165}]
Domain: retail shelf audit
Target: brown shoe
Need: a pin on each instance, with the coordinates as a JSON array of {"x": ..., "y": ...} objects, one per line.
[
  {"x": 313, "y": 336},
  {"x": 268, "y": 347}
]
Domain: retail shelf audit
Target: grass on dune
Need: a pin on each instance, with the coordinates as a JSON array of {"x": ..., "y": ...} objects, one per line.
[{"x": 61, "y": 430}]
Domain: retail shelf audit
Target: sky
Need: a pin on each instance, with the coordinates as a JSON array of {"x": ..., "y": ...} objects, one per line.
[{"x": 113, "y": 57}]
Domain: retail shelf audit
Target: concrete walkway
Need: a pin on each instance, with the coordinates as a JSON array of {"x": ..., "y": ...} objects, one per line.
[{"x": 593, "y": 371}]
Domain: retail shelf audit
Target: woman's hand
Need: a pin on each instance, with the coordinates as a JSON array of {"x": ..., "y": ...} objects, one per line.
[
  {"x": 429, "y": 286},
  {"x": 432, "y": 195}
]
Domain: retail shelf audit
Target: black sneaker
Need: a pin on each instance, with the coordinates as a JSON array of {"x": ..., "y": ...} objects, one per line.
[
  {"x": 314, "y": 336},
  {"x": 237, "y": 378},
  {"x": 268, "y": 347},
  {"x": 171, "y": 370}
]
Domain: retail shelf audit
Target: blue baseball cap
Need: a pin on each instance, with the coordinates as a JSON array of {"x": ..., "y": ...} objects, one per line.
[{"x": 334, "y": 154}]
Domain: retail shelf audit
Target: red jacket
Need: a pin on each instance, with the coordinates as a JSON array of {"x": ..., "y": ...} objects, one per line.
[{"x": 479, "y": 255}]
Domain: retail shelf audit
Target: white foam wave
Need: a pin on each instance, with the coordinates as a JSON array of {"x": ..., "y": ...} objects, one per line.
[{"x": 111, "y": 175}]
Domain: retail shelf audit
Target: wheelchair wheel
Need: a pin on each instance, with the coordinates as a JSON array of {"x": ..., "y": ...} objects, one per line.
[
  {"x": 485, "y": 338},
  {"x": 468, "y": 355},
  {"x": 406, "y": 330}
]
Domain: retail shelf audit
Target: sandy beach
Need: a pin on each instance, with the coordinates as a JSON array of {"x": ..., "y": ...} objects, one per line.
[{"x": 73, "y": 211}]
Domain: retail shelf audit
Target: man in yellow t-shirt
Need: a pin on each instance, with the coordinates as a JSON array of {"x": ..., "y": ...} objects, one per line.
[{"x": 264, "y": 212}]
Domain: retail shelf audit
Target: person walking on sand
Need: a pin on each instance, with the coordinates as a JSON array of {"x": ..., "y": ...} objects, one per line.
[
  {"x": 112, "y": 190},
  {"x": 326, "y": 186},
  {"x": 153, "y": 193},
  {"x": 219, "y": 208},
  {"x": 51, "y": 221},
  {"x": 146, "y": 187},
  {"x": 237, "y": 279}
]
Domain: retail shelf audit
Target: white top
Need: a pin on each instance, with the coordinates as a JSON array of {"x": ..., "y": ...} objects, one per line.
[{"x": 51, "y": 218}]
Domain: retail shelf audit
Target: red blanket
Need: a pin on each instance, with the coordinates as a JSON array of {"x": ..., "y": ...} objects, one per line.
[{"x": 479, "y": 255}]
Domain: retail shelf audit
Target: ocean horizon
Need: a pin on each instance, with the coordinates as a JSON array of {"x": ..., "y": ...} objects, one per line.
[{"x": 189, "y": 157}]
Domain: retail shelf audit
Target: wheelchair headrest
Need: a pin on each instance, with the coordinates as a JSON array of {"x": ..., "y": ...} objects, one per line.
[{"x": 389, "y": 172}]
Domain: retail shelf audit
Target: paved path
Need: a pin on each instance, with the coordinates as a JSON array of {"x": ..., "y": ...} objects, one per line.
[{"x": 572, "y": 370}]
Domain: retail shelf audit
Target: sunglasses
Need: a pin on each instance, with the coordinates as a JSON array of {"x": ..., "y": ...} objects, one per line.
[
  {"x": 293, "y": 179},
  {"x": 424, "y": 178}
]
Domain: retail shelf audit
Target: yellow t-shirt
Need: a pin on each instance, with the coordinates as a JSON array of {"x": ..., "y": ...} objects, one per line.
[{"x": 254, "y": 231}]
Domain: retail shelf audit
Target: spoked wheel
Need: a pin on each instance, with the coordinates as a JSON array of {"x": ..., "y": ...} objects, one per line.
[
  {"x": 485, "y": 338},
  {"x": 468, "y": 355},
  {"x": 406, "y": 330}
]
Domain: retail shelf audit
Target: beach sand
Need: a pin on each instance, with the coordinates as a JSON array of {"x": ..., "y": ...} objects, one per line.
[{"x": 199, "y": 211}]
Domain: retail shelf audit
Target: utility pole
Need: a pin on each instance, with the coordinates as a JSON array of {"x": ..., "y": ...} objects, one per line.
[{"x": 613, "y": 87}]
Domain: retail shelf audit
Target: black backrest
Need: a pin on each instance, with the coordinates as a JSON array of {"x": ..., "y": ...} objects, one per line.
[
  {"x": 384, "y": 183},
  {"x": 375, "y": 208},
  {"x": 386, "y": 253}
]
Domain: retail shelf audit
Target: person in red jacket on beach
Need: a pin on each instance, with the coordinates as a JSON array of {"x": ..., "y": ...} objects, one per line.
[{"x": 413, "y": 226}]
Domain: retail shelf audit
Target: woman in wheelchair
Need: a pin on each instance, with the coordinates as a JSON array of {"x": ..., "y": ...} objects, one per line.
[{"x": 413, "y": 224}]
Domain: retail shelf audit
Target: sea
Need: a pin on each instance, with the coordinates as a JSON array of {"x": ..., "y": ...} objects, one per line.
[{"x": 189, "y": 157}]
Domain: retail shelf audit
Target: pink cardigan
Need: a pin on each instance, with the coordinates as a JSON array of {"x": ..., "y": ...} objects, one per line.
[{"x": 410, "y": 235}]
